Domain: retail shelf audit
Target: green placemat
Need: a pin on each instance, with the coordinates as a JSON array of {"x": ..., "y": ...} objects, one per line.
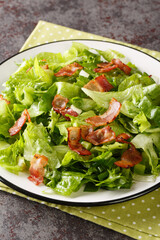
[{"x": 138, "y": 218}]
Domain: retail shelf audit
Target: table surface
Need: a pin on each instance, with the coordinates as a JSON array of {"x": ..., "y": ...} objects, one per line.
[{"x": 135, "y": 22}]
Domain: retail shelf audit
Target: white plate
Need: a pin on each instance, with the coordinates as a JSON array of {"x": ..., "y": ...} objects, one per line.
[{"x": 20, "y": 183}]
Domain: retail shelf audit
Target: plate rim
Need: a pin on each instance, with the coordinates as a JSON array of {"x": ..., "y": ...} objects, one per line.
[
  {"x": 78, "y": 204},
  {"x": 65, "y": 202}
]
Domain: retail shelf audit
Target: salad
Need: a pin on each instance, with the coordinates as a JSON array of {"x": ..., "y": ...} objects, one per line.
[{"x": 87, "y": 118}]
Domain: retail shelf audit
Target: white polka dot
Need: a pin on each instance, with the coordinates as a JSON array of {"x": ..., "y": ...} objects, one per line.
[
  {"x": 55, "y": 26},
  {"x": 152, "y": 198},
  {"x": 118, "y": 217},
  {"x": 139, "y": 237},
  {"x": 34, "y": 38},
  {"x": 67, "y": 30},
  {"x": 47, "y": 29},
  {"x": 144, "y": 220},
  {"x": 123, "y": 207},
  {"x": 149, "y": 228},
  {"x": 109, "y": 223},
  {"x": 51, "y": 34},
  {"x": 133, "y": 204},
  {"x": 134, "y": 223},
  {"x": 81, "y": 211},
  {"x": 43, "y": 36},
  {"x": 43, "y": 23},
  {"x": 143, "y": 201},
  {"x": 159, "y": 224},
  {"x": 113, "y": 210},
  {"x": 88, "y": 207},
  {"x": 79, "y": 34},
  {"x": 59, "y": 32},
  {"x": 30, "y": 45},
  {"x": 39, "y": 30},
  {"x": 153, "y": 217},
  {"x": 28, "y": 198},
  {"x": 91, "y": 37},
  {"x": 148, "y": 209},
  {"x": 138, "y": 212},
  {"x": 157, "y": 189},
  {"x": 43, "y": 202},
  {"x": 38, "y": 43},
  {"x": 128, "y": 215},
  {"x": 55, "y": 40},
  {"x": 71, "y": 36},
  {"x": 158, "y": 205},
  {"x": 103, "y": 212},
  {"x": 63, "y": 38},
  {"x": 46, "y": 41},
  {"x": 0, "y": 188},
  {"x": 95, "y": 217},
  {"x": 14, "y": 192},
  {"x": 124, "y": 230}
]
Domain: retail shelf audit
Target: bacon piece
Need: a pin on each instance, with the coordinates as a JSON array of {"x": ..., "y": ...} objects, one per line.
[
  {"x": 74, "y": 136},
  {"x": 85, "y": 130},
  {"x": 126, "y": 69},
  {"x": 101, "y": 136},
  {"x": 129, "y": 158},
  {"x": 36, "y": 169},
  {"x": 19, "y": 123},
  {"x": 45, "y": 66},
  {"x": 105, "y": 67},
  {"x": 123, "y": 137},
  {"x": 28, "y": 69},
  {"x": 59, "y": 103},
  {"x": 99, "y": 84},
  {"x": 68, "y": 70},
  {"x": 1, "y": 98},
  {"x": 108, "y": 116},
  {"x": 68, "y": 111}
]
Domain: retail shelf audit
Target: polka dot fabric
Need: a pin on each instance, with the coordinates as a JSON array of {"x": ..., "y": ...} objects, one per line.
[{"x": 138, "y": 218}]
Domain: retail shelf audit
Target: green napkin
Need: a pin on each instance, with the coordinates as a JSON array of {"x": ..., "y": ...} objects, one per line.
[{"x": 138, "y": 218}]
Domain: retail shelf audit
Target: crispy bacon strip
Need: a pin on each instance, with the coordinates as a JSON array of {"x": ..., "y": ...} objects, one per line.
[
  {"x": 101, "y": 136},
  {"x": 105, "y": 67},
  {"x": 86, "y": 130},
  {"x": 68, "y": 70},
  {"x": 74, "y": 136},
  {"x": 115, "y": 63},
  {"x": 59, "y": 105},
  {"x": 99, "y": 84},
  {"x": 108, "y": 116},
  {"x": 129, "y": 158},
  {"x": 123, "y": 137},
  {"x": 1, "y": 98},
  {"x": 28, "y": 69},
  {"x": 36, "y": 169},
  {"x": 126, "y": 69},
  {"x": 19, "y": 123},
  {"x": 45, "y": 66}
]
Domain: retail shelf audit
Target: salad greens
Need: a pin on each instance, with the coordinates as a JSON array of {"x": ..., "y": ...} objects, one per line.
[{"x": 33, "y": 86}]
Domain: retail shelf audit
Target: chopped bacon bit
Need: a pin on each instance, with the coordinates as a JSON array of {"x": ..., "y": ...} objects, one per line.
[
  {"x": 99, "y": 84},
  {"x": 85, "y": 130},
  {"x": 68, "y": 111},
  {"x": 108, "y": 116},
  {"x": 74, "y": 136},
  {"x": 126, "y": 69},
  {"x": 115, "y": 63},
  {"x": 28, "y": 69},
  {"x": 105, "y": 67},
  {"x": 59, "y": 102},
  {"x": 123, "y": 137},
  {"x": 19, "y": 123},
  {"x": 43, "y": 60},
  {"x": 36, "y": 169},
  {"x": 68, "y": 70},
  {"x": 1, "y": 98},
  {"x": 45, "y": 66},
  {"x": 101, "y": 136},
  {"x": 59, "y": 105},
  {"x": 129, "y": 158}
]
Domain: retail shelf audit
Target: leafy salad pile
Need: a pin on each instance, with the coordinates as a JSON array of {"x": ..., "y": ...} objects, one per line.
[{"x": 39, "y": 144}]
